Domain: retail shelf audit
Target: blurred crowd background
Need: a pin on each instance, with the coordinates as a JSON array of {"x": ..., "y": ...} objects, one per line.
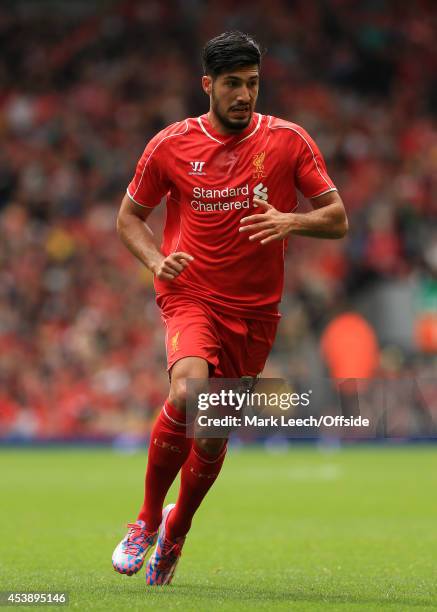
[{"x": 85, "y": 84}]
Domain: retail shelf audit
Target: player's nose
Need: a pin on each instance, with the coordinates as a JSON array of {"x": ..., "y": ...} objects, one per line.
[{"x": 243, "y": 95}]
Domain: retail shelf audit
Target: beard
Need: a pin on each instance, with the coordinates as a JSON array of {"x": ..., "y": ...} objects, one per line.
[{"x": 233, "y": 125}]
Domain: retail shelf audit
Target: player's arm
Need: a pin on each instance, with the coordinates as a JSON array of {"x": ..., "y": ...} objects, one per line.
[
  {"x": 326, "y": 220},
  {"x": 327, "y": 217},
  {"x": 139, "y": 239}
]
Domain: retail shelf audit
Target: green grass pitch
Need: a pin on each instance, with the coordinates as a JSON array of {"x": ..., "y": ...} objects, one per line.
[{"x": 298, "y": 530}]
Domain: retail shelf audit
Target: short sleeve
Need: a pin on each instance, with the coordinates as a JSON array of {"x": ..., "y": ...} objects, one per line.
[
  {"x": 311, "y": 176},
  {"x": 150, "y": 183}
]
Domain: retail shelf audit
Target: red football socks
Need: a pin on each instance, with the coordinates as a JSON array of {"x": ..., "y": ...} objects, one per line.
[
  {"x": 198, "y": 474},
  {"x": 168, "y": 450}
]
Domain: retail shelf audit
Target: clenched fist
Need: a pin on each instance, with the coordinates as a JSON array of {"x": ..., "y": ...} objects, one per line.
[{"x": 171, "y": 266}]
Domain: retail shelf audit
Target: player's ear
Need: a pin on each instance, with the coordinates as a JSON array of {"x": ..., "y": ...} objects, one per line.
[{"x": 207, "y": 84}]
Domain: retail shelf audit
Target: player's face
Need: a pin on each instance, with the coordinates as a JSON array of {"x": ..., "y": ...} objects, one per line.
[{"x": 233, "y": 97}]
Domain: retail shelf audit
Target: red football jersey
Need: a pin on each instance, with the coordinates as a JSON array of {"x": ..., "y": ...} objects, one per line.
[{"x": 209, "y": 180}]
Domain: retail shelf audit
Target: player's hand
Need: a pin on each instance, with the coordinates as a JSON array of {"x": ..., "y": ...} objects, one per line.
[
  {"x": 171, "y": 266},
  {"x": 268, "y": 225}
]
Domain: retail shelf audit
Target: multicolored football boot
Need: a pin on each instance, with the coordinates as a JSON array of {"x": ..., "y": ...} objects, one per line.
[
  {"x": 162, "y": 564},
  {"x": 128, "y": 557}
]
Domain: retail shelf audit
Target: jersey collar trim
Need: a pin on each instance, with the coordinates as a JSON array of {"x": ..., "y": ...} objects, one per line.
[
  {"x": 199, "y": 119},
  {"x": 254, "y": 130},
  {"x": 203, "y": 128}
]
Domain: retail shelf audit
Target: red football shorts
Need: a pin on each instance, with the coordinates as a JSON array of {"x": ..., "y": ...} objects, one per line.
[{"x": 233, "y": 346}]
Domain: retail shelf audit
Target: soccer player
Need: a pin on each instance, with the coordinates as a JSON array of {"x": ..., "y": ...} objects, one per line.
[{"x": 229, "y": 178}]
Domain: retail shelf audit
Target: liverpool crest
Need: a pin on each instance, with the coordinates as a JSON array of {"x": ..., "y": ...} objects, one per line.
[{"x": 258, "y": 165}]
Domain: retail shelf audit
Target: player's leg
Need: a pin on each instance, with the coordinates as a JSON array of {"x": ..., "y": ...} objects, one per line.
[
  {"x": 245, "y": 348},
  {"x": 168, "y": 449},
  {"x": 207, "y": 455},
  {"x": 191, "y": 344},
  {"x": 203, "y": 464},
  {"x": 169, "y": 445},
  {"x": 198, "y": 474},
  {"x": 195, "y": 484}
]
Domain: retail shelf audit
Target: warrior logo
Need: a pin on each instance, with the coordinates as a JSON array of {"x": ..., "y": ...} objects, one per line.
[{"x": 197, "y": 168}]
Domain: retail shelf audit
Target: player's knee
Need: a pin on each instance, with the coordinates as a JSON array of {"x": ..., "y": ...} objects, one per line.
[
  {"x": 181, "y": 393},
  {"x": 211, "y": 446},
  {"x": 178, "y": 394}
]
